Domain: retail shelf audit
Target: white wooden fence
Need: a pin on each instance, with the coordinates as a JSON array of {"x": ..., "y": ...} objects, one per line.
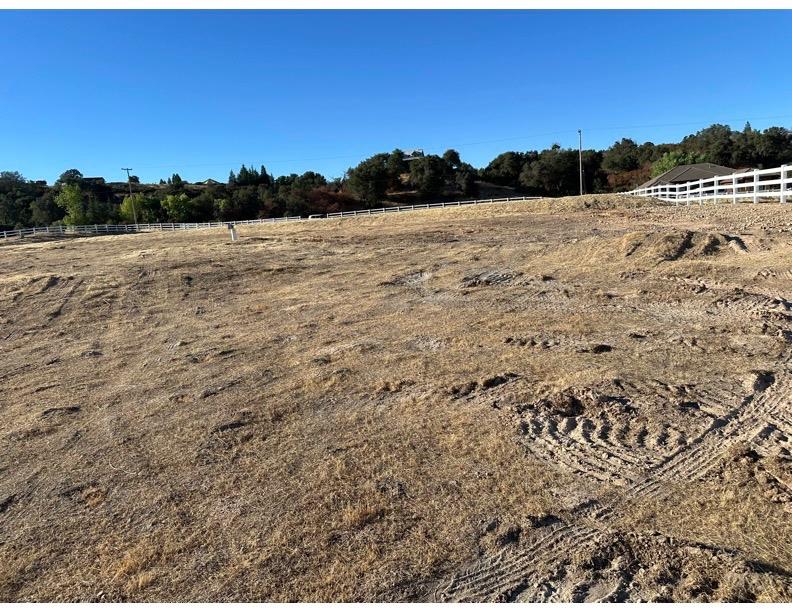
[
  {"x": 94, "y": 230},
  {"x": 393, "y": 209},
  {"x": 755, "y": 186}
]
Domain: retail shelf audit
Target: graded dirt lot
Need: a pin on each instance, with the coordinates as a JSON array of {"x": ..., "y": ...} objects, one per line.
[{"x": 564, "y": 400}]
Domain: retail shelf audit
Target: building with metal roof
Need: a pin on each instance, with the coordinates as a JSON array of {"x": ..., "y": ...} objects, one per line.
[{"x": 686, "y": 173}]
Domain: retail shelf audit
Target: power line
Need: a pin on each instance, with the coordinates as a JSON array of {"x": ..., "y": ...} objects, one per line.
[
  {"x": 656, "y": 125},
  {"x": 565, "y": 132}
]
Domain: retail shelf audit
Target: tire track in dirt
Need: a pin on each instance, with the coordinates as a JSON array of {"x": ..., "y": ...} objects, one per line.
[
  {"x": 493, "y": 577},
  {"x": 568, "y": 452},
  {"x": 741, "y": 425},
  {"x": 499, "y": 576}
]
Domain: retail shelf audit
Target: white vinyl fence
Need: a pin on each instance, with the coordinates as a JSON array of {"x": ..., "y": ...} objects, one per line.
[
  {"x": 94, "y": 230},
  {"x": 393, "y": 209},
  {"x": 755, "y": 186}
]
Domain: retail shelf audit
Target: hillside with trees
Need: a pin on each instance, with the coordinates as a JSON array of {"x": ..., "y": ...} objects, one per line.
[{"x": 381, "y": 180}]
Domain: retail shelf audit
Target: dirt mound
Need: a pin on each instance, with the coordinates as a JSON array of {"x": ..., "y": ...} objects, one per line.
[
  {"x": 678, "y": 244},
  {"x": 489, "y": 277},
  {"x": 409, "y": 279},
  {"x": 767, "y": 467},
  {"x": 605, "y": 201},
  {"x": 575, "y": 402}
]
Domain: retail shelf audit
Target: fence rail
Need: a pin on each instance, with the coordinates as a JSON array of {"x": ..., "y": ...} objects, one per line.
[
  {"x": 97, "y": 230},
  {"x": 754, "y": 185},
  {"x": 392, "y": 209}
]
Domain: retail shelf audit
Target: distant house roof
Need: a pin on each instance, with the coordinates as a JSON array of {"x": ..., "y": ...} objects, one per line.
[
  {"x": 688, "y": 172},
  {"x": 208, "y": 181}
]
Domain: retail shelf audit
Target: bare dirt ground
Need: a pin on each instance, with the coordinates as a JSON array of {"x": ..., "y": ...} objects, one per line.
[{"x": 565, "y": 400}]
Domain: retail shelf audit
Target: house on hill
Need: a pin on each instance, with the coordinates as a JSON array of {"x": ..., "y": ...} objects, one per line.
[{"x": 687, "y": 173}]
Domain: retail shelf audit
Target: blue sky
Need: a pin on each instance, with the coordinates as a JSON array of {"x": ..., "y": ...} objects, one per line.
[{"x": 201, "y": 92}]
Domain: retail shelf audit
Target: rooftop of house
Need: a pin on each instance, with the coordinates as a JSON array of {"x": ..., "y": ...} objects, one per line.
[{"x": 687, "y": 172}]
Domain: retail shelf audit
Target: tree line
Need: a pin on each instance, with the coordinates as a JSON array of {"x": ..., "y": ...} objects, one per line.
[{"x": 382, "y": 179}]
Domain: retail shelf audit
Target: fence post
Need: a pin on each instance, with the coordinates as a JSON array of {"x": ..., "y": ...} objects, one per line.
[
  {"x": 734, "y": 188},
  {"x": 755, "y": 186},
  {"x": 783, "y": 184}
]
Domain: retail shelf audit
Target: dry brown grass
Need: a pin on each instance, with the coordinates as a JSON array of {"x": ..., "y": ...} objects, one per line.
[{"x": 285, "y": 418}]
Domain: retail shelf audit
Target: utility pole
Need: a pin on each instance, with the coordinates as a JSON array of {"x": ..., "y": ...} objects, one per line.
[
  {"x": 580, "y": 158},
  {"x": 131, "y": 198}
]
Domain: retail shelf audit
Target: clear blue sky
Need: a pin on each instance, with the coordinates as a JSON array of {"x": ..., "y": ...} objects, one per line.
[{"x": 202, "y": 92}]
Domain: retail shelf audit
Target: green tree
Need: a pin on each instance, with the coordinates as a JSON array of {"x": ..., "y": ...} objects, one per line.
[
  {"x": 465, "y": 178},
  {"x": 129, "y": 206},
  {"x": 427, "y": 175},
  {"x": 13, "y": 212},
  {"x": 251, "y": 177},
  {"x": 775, "y": 147},
  {"x": 16, "y": 195},
  {"x": 148, "y": 208},
  {"x": 175, "y": 185},
  {"x": 369, "y": 179},
  {"x": 291, "y": 193},
  {"x": 505, "y": 169},
  {"x": 100, "y": 210},
  {"x": 451, "y": 157},
  {"x": 70, "y": 198},
  {"x": 244, "y": 203},
  {"x": 396, "y": 166},
  {"x": 70, "y": 177},
  {"x": 45, "y": 210},
  {"x": 713, "y": 144},
  {"x": 675, "y": 158},
  {"x": 176, "y": 207},
  {"x": 621, "y": 156},
  {"x": 556, "y": 172},
  {"x": 309, "y": 180},
  {"x": 202, "y": 207},
  {"x": 649, "y": 152},
  {"x": 745, "y": 147}
]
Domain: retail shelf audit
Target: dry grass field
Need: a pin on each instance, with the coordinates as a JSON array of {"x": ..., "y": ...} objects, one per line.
[{"x": 583, "y": 399}]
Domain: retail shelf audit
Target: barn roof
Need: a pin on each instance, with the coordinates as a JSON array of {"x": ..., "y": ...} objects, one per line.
[{"x": 687, "y": 172}]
